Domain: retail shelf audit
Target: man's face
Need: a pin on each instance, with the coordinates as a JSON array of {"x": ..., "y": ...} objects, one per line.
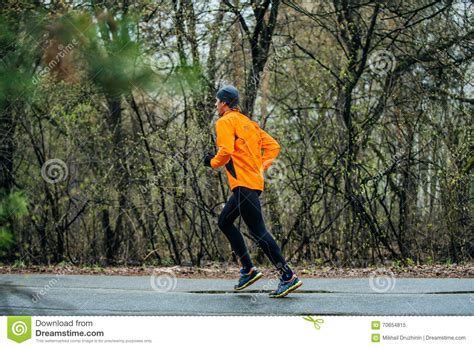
[{"x": 220, "y": 107}]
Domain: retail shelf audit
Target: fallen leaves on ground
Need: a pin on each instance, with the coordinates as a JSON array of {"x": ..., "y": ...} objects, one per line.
[{"x": 217, "y": 271}]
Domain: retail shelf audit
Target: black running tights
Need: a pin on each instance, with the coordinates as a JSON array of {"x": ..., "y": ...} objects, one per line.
[{"x": 251, "y": 212}]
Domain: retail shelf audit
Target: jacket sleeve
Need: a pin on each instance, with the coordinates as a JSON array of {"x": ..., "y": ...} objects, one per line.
[
  {"x": 270, "y": 149},
  {"x": 225, "y": 141}
]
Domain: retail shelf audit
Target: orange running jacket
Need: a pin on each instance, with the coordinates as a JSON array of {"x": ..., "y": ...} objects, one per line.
[{"x": 241, "y": 141}]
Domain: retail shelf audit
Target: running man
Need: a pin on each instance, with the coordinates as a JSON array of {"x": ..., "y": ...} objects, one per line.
[{"x": 240, "y": 142}]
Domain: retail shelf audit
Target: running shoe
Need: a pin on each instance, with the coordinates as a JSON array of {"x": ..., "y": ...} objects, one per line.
[
  {"x": 248, "y": 279},
  {"x": 285, "y": 287}
]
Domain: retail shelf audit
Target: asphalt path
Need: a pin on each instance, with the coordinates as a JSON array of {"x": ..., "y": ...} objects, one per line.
[{"x": 167, "y": 295}]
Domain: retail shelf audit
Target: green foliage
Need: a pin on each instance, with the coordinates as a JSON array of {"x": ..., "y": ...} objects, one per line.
[
  {"x": 19, "y": 264},
  {"x": 6, "y": 239},
  {"x": 17, "y": 56},
  {"x": 96, "y": 267},
  {"x": 186, "y": 78},
  {"x": 111, "y": 54},
  {"x": 13, "y": 206},
  {"x": 409, "y": 262},
  {"x": 402, "y": 263},
  {"x": 318, "y": 262},
  {"x": 397, "y": 263}
]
